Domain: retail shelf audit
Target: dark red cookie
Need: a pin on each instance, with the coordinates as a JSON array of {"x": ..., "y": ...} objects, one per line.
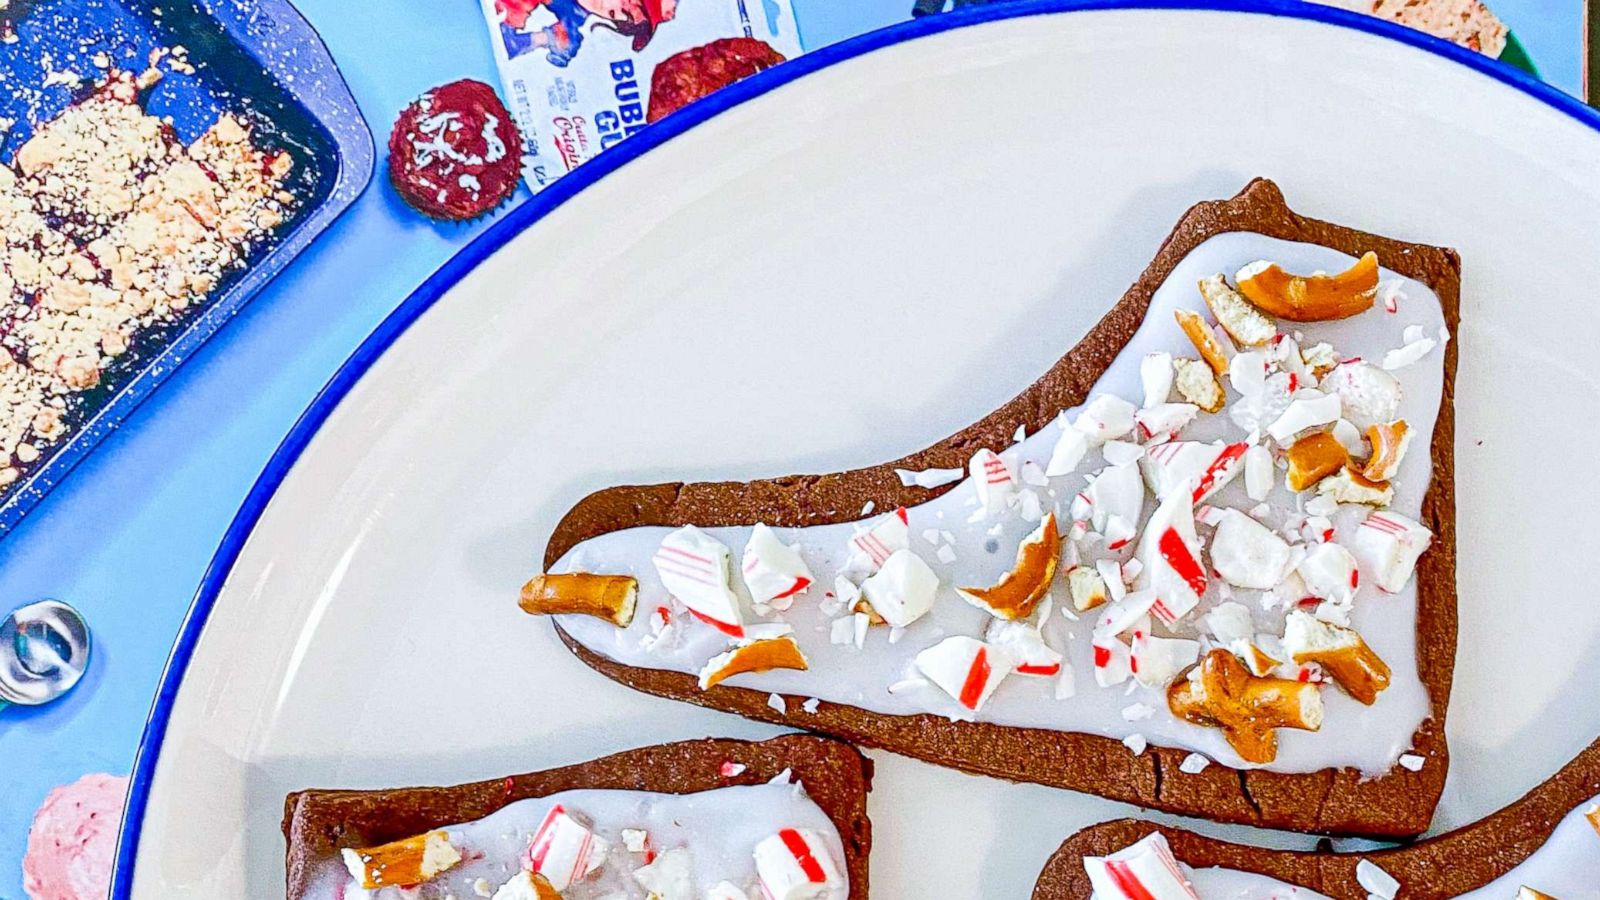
[
  {"x": 455, "y": 153},
  {"x": 685, "y": 77}
]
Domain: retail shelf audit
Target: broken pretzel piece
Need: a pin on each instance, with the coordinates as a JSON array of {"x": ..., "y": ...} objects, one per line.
[
  {"x": 1088, "y": 589},
  {"x": 1018, "y": 591},
  {"x": 1223, "y": 694},
  {"x": 609, "y": 597},
  {"x": 1243, "y": 322},
  {"x": 1528, "y": 893},
  {"x": 1389, "y": 442},
  {"x": 1310, "y": 298},
  {"x": 1313, "y": 458},
  {"x": 526, "y": 885},
  {"x": 1350, "y": 486},
  {"x": 761, "y": 655},
  {"x": 403, "y": 863},
  {"x": 1200, "y": 335},
  {"x": 1341, "y": 652},
  {"x": 1198, "y": 384}
]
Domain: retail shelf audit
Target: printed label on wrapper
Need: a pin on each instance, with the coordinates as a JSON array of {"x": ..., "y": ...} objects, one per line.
[{"x": 577, "y": 74}]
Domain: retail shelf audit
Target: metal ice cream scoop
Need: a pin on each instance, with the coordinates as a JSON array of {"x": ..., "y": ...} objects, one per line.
[{"x": 44, "y": 649}]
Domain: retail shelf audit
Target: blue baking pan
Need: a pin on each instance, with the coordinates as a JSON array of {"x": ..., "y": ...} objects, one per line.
[{"x": 258, "y": 59}]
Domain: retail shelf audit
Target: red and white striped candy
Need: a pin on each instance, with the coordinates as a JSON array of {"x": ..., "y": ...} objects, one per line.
[
  {"x": 993, "y": 479},
  {"x": 694, "y": 568},
  {"x": 563, "y": 849},
  {"x": 773, "y": 570},
  {"x": 871, "y": 546},
  {"x": 1026, "y": 645},
  {"x": 1143, "y": 871},
  {"x": 1170, "y": 552},
  {"x": 796, "y": 864},
  {"x": 1388, "y": 546},
  {"x": 1112, "y": 661},
  {"x": 966, "y": 668},
  {"x": 1162, "y": 422},
  {"x": 1195, "y": 466}
]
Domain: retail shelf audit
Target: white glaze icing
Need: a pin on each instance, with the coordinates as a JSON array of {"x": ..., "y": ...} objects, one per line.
[
  {"x": 1368, "y": 738},
  {"x": 1565, "y": 866},
  {"x": 719, "y": 827}
]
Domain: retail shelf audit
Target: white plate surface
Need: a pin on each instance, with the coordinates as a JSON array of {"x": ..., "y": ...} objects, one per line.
[{"x": 842, "y": 270}]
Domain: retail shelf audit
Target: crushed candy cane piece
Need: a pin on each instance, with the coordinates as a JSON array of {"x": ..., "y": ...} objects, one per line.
[
  {"x": 1069, "y": 450},
  {"x": 902, "y": 589},
  {"x": 1121, "y": 453},
  {"x": 1137, "y": 712},
  {"x": 1194, "y": 764},
  {"x": 670, "y": 876},
  {"x": 1105, "y": 418},
  {"x": 1247, "y": 554},
  {"x": 1112, "y": 661},
  {"x": 1026, "y": 645},
  {"x": 871, "y": 546},
  {"x": 1388, "y": 546},
  {"x": 1411, "y": 762},
  {"x": 1258, "y": 472},
  {"x": 1136, "y": 743},
  {"x": 1200, "y": 468},
  {"x": 726, "y": 890},
  {"x": 929, "y": 478},
  {"x": 1329, "y": 573},
  {"x": 772, "y": 569},
  {"x": 1376, "y": 881},
  {"x": 1155, "y": 377},
  {"x": 1170, "y": 552},
  {"x": 1157, "y": 661},
  {"x": 1367, "y": 394},
  {"x": 1115, "y": 492},
  {"x": 1309, "y": 409},
  {"x": 777, "y": 703},
  {"x": 1162, "y": 422},
  {"x": 1409, "y": 353},
  {"x": 564, "y": 849},
  {"x": 637, "y": 840},
  {"x": 796, "y": 864},
  {"x": 993, "y": 479},
  {"x": 966, "y": 668},
  {"x": 694, "y": 568}
]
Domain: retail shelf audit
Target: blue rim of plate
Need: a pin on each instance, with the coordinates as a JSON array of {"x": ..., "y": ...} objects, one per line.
[
  {"x": 276, "y": 36},
  {"x": 532, "y": 211}
]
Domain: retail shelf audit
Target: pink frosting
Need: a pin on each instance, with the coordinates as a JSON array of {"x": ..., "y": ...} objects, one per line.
[{"x": 73, "y": 840}]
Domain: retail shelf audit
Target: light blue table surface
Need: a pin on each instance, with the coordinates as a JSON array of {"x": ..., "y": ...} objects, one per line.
[{"x": 128, "y": 535}]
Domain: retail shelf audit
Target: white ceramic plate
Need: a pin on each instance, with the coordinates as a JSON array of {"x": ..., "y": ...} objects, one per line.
[{"x": 938, "y": 210}]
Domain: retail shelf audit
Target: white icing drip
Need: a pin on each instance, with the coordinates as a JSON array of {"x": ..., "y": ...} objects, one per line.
[
  {"x": 719, "y": 827},
  {"x": 1368, "y": 738}
]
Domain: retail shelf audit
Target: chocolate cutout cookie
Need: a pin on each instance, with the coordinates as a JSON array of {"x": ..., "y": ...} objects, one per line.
[
  {"x": 317, "y": 823},
  {"x": 1399, "y": 803},
  {"x": 1445, "y": 866}
]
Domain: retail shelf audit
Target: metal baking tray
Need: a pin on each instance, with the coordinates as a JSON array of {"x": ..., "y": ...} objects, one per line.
[{"x": 258, "y": 59}]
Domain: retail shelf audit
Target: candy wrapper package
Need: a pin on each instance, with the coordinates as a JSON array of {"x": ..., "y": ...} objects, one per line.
[{"x": 581, "y": 75}]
